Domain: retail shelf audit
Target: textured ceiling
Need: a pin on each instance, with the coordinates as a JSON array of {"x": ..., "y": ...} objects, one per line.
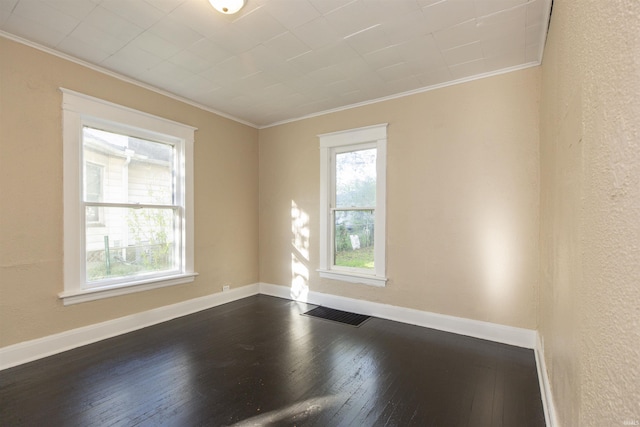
[{"x": 278, "y": 60}]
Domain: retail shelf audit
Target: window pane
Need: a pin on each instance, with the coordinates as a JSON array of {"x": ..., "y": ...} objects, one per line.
[
  {"x": 93, "y": 189},
  {"x": 356, "y": 179},
  {"x": 133, "y": 170},
  {"x": 353, "y": 231},
  {"x": 131, "y": 242}
]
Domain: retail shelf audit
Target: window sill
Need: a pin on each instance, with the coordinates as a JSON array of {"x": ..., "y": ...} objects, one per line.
[
  {"x": 364, "y": 279},
  {"x": 84, "y": 295}
]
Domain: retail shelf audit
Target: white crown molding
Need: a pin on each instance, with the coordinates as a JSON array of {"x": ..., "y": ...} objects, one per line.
[
  {"x": 408, "y": 93},
  {"x": 28, "y": 351},
  {"x": 121, "y": 77},
  {"x": 543, "y": 40},
  {"x": 519, "y": 337},
  {"x": 282, "y": 122}
]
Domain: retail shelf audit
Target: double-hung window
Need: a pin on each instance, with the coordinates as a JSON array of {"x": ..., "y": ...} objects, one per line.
[
  {"x": 352, "y": 203},
  {"x": 128, "y": 200}
]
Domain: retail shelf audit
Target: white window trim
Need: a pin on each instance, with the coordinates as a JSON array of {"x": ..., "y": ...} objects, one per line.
[
  {"x": 329, "y": 144},
  {"x": 79, "y": 109}
]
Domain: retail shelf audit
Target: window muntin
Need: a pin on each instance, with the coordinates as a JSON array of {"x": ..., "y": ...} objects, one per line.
[
  {"x": 133, "y": 172},
  {"x": 352, "y": 199}
]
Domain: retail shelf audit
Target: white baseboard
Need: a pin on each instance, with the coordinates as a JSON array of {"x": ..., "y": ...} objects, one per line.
[
  {"x": 519, "y": 337},
  {"x": 28, "y": 351},
  {"x": 545, "y": 388}
]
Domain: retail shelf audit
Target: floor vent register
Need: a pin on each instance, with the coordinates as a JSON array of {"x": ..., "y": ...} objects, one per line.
[{"x": 339, "y": 316}]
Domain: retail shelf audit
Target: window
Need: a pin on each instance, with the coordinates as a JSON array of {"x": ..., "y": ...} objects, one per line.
[
  {"x": 352, "y": 192},
  {"x": 128, "y": 198}
]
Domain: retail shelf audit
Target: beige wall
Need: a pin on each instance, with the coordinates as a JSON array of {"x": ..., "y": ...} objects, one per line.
[
  {"x": 462, "y": 200},
  {"x": 589, "y": 317},
  {"x": 226, "y": 207}
]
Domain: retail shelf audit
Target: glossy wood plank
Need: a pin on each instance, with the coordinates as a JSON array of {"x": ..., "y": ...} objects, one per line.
[{"x": 258, "y": 361}]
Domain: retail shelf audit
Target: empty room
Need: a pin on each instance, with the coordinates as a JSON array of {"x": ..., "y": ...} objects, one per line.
[{"x": 320, "y": 212}]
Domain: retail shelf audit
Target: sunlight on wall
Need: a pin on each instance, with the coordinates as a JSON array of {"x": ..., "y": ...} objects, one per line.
[
  {"x": 299, "y": 279},
  {"x": 498, "y": 256},
  {"x": 299, "y": 253},
  {"x": 300, "y": 230}
]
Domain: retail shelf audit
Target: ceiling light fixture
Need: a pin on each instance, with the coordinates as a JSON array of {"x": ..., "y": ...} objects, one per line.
[{"x": 228, "y": 7}]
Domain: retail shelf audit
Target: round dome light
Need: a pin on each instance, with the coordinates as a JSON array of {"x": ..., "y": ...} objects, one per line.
[{"x": 228, "y": 7}]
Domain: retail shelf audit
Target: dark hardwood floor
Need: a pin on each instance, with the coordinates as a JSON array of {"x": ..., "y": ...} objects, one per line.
[{"x": 258, "y": 362}]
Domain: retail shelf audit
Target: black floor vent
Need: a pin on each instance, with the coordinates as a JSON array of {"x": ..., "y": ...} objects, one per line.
[{"x": 345, "y": 317}]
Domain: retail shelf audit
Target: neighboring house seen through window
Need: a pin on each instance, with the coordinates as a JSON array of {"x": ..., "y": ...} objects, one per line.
[
  {"x": 130, "y": 228},
  {"x": 93, "y": 190}
]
